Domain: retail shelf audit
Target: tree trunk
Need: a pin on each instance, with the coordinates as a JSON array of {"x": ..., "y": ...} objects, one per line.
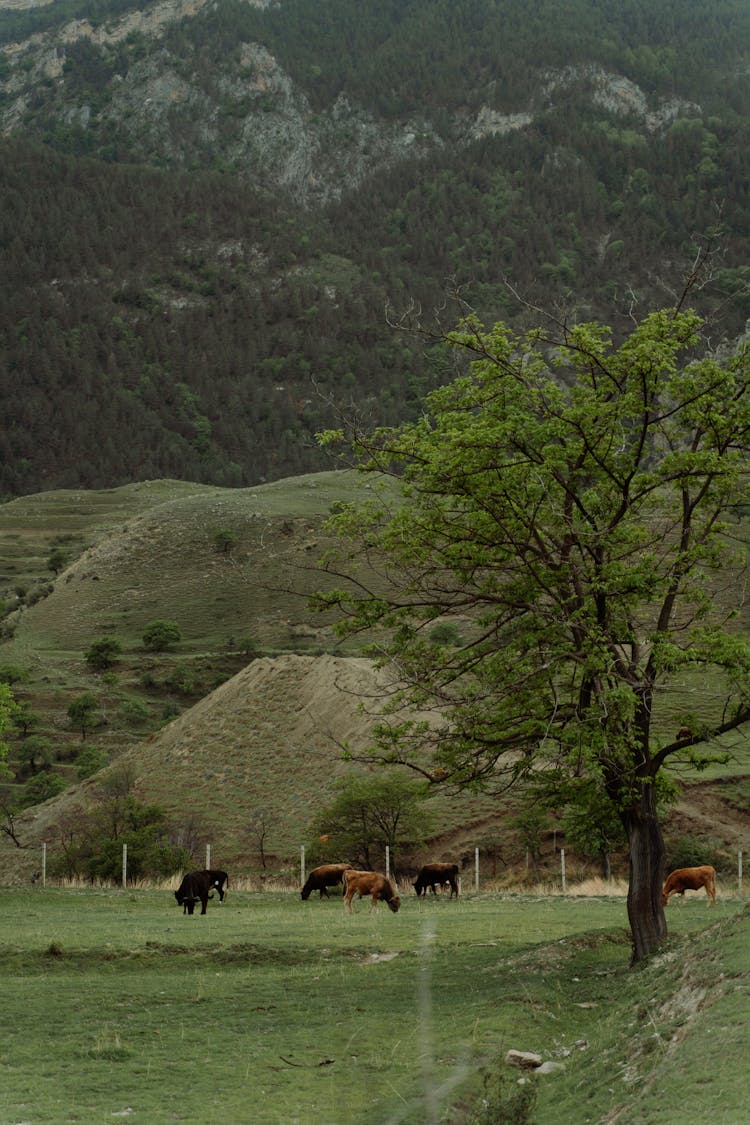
[{"x": 648, "y": 925}]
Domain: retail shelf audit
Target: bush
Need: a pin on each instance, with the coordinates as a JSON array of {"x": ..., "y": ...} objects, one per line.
[
  {"x": 89, "y": 761},
  {"x": 41, "y": 787},
  {"x": 134, "y": 713},
  {"x": 159, "y": 635},
  {"x": 102, "y": 653},
  {"x": 690, "y": 851}
]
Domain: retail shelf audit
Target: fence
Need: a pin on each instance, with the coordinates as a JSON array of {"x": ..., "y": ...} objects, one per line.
[{"x": 563, "y": 877}]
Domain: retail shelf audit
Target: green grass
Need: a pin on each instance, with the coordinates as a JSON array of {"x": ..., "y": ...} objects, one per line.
[{"x": 274, "y": 1011}]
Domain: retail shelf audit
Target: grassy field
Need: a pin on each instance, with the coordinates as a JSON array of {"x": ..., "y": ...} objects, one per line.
[{"x": 269, "y": 1010}]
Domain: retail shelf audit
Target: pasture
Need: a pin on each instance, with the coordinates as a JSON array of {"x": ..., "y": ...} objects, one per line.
[{"x": 268, "y": 1010}]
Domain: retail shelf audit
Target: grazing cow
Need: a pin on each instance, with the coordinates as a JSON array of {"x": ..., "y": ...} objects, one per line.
[
  {"x": 196, "y": 886},
  {"x": 690, "y": 879},
  {"x": 219, "y": 880},
  {"x": 369, "y": 883},
  {"x": 328, "y": 875},
  {"x": 437, "y": 874}
]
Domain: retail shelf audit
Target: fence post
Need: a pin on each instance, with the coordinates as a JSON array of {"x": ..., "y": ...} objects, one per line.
[
  {"x": 208, "y": 856},
  {"x": 387, "y": 861},
  {"x": 562, "y": 868},
  {"x": 476, "y": 869},
  {"x": 739, "y": 872},
  {"x": 44, "y": 865},
  {"x": 302, "y": 864},
  {"x": 124, "y": 865}
]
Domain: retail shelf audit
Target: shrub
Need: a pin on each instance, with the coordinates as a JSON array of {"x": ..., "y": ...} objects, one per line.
[
  {"x": 89, "y": 761},
  {"x": 41, "y": 787},
  {"x": 159, "y": 635},
  {"x": 102, "y": 653},
  {"x": 134, "y": 712},
  {"x": 81, "y": 712},
  {"x": 445, "y": 634},
  {"x": 691, "y": 851}
]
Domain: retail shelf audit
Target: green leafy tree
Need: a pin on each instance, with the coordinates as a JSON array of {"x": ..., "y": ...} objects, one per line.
[
  {"x": 161, "y": 635},
  {"x": 369, "y": 812},
  {"x": 7, "y": 713},
  {"x": 573, "y": 497},
  {"x": 82, "y": 712},
  {"x": 103, "y": 653},
  {"x": 42, "y": 787},
  {"x": 35, "y": 752},
  {"x": 13, "y": 674},
  {"x": 24, "y": 718},
  {"x": 57, "y": 561},
  {"x": 225, "y": 541},
  {"x": 89, "y": 761}
]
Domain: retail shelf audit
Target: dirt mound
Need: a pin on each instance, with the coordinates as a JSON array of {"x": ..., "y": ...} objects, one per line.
[{"x": 271, "y": 738}]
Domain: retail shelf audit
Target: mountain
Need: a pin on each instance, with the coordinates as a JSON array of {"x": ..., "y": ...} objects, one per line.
[{"x": 208, "y": 207}]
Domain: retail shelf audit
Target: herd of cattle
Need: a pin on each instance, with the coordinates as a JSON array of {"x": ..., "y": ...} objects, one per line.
[{"x": 198, "y": 886}]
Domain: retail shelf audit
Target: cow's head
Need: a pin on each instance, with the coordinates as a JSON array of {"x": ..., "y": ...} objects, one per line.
[{"x": 394, "y": 903}]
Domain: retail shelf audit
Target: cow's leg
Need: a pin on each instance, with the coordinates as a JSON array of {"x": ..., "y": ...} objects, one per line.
[{"x": 204, "y": 903}]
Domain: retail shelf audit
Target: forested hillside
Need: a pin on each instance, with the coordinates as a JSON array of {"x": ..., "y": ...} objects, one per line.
[{"x": 206, "y": 208}]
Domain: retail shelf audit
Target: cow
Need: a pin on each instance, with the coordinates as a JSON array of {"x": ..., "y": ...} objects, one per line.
[
  {"x": 369, "y": 883},
  {"x": 690, "y": 879},
  {"x": 220, "y": 880},
  {"x": 196, "y": 886},
  {"x": 437, "y": 874},
  {"x": 327, "y": 875}
]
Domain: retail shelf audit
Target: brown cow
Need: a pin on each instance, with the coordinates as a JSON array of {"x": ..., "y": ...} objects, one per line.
[
  {"x": 690, "y": 879},
  {"x": 437, "y": 874},
  {"x": 328, "y": 875},
  {"x": 369, "y": 883}
]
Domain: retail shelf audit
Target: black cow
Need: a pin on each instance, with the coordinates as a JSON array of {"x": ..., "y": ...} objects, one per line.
[
  {"x": 220, "y": 880},
  {"x": 437, "y": 874},
  {"x": 196, "y": 886}
]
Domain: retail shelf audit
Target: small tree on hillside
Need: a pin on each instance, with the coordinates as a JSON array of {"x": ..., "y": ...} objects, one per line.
[
  {"x": 575, "y": 499},
  {"x": 225, "y": 541},
  {"x": 42, "y": 787},
  {"x": 82, "y": 712},
  {"x": 161, "y": 635},
  {"x": 7, "y": 712},
  {"x": 35, "y": 752},
  {"x": 103, "y": 653},
  {"x": 57, "y": 561},
  {"x": 24, "y": 718}
]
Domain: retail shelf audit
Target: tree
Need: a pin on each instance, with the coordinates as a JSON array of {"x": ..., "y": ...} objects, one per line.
[
  {"x": 7, "y": 712},
  {"x": 225, "y": 541},
  {"x": 57, "y": 561},
  {"x": 82, "y": 711},
  {"x": 159, "y": 635},
  {"x": 89, "y": 761},
  {"x": 103, "y": 653},
  {"x": 24, "y": 718},
  {"x": 42, "y": 787},
  {"x": 574, "y": 498},
  {"x": 35, "y": 752},
  {"x": 369, "y": 812}
]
